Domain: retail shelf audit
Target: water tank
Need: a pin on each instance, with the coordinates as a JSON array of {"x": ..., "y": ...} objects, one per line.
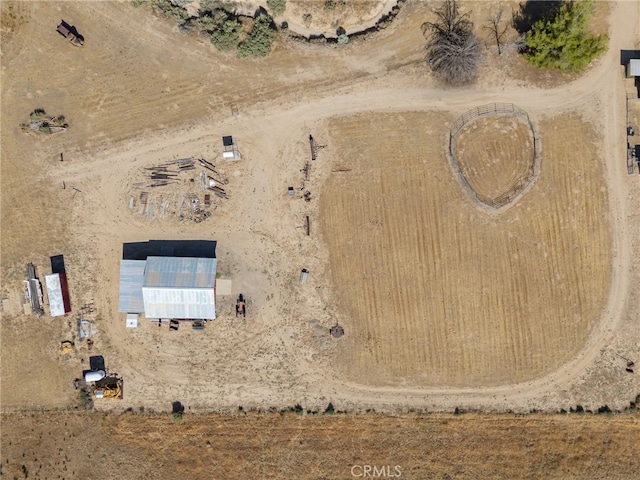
[{"x": 94, "y": 376}]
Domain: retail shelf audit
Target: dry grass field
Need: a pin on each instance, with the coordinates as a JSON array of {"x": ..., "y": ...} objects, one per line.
[
  {"x": 494, "y": 153},
  {"x": 436, "y": 290},
  {"x": 266, "y": 446}
]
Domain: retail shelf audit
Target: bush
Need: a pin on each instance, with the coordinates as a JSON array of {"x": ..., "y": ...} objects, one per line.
[
  {"x": 453, "y": 49},
  {"x": 344, "y": 38},
  {"x": 37, "y": 115},
  {"x": 333, "y": 4},
  {"x": 277, "y": 6},
  {"x": 563, "y": 42},
  {"x": 222, "y": 27},
  {"x": 171, "y": 9},
  {"x": 177, "y": 417},
  {"x": 258, "y": 43}
]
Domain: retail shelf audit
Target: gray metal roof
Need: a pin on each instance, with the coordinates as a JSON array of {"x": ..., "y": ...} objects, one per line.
[
  {"x": 180, "y": 272},
  {"x": 54, "y": 294},
  {"x": 634, "y": 67},
  {"x": 131, "y": 280},
  {"x": 167, "y": 302}
]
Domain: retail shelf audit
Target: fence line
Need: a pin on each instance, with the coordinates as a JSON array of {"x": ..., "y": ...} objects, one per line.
[{"x": 524, "y": 181}]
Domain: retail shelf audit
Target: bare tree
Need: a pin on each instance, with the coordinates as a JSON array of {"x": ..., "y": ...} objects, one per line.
[
  {"x": 453, "y": 49},
  {"x": 493, "y": 24}
]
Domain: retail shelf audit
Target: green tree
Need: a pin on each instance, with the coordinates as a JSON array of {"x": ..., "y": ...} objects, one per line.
[
  {"x": 262, "y": 35},
  {"x": 563, "y": 41},
  {"x": 223, "y": 29},
  {"x": 277, "y": 6}
]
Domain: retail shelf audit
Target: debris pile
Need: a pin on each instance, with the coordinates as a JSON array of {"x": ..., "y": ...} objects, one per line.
[
  {"x": 180, "y": 196},
  {"x": 40, "y": 122},
  {"x": 33, "y": 290}
]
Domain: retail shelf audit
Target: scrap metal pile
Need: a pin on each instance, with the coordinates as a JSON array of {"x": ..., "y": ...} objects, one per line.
[
  {"x": 212, "y": 179},
  {"x": 168, "y": 172},
  {"x": 182, "y": 200}
]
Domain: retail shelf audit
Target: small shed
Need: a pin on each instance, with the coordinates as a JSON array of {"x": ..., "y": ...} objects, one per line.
[
  {"x": 132, "y": 320},
  {"x": 633, "y": 67},
  {"x": 230, "y": 151}
]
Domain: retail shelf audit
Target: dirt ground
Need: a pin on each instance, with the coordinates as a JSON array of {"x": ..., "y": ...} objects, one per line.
[
  {"x": 140, "y": 92},
  {"x": 329, "y": 15},
  {"x": 76, "y": 445},
  {"x": 494, "y": 153},
  {"x": 634, "y": 116},
  {"x": 439, "y": 291}
]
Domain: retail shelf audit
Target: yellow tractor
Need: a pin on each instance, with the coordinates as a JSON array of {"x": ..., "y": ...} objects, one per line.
[{"x": 110, "y": 387}]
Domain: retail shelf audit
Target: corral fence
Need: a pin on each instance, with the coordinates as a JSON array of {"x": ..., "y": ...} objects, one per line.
[{"x": 522, "y": 182}]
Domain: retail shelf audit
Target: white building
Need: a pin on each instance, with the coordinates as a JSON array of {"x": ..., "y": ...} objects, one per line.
[{"x": 633, "y": 67}]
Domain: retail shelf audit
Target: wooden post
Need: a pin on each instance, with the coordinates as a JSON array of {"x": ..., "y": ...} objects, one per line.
[{"x": 313, "y": 148}]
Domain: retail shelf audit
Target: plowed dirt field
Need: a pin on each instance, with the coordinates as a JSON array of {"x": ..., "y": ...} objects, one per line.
[{"x": 440, "y": 291}]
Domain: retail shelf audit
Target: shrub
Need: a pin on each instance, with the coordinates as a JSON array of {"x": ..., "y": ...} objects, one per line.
[
  {"x": 306, "y": 19},
  {"x": 333, "y": 4},
  {"x": 258, "y": 43},
  {"x": 171, "y": 9},
  {"x": 222, "y": 27},
  {"x": 344, "y": 38},
  {"x": 177, "y": 417},
  {"x": 453, "y": 49},
  {"x": 277, "y": 6},
  {"x": 37, "y": 115},
  {"x": 563, "y": 42}
]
